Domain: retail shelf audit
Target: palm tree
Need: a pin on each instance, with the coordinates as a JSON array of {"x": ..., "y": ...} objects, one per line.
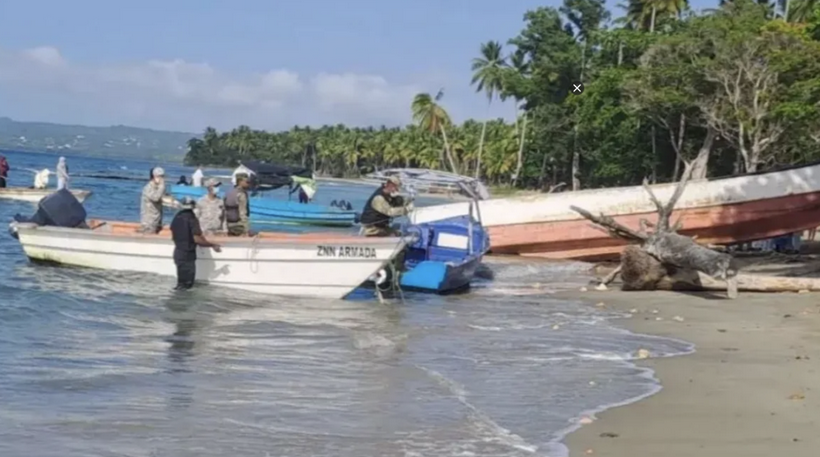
[
  {"x": 642, "y": 14},
  {"x": 487, "y": 78},
  {"x": 430, "y": 116},
  {"x": 522, "y": 67}
]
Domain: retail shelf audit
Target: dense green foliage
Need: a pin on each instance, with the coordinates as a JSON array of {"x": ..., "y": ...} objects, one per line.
[
  {"x": 736, "y": 87},
  {"x": 120, "y": 141}
]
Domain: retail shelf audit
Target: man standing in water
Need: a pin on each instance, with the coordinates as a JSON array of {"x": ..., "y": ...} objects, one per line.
[
  {"x": 196, "y": 178},
  {"x": 151, "y": 202},
  {"x": 4, "y": 171},
  {"x": 210, "y": 209},
  {"x": 237, "y": 208},
  {"x": 187, "y": 235},
  {"x": 62, "y": 174}
]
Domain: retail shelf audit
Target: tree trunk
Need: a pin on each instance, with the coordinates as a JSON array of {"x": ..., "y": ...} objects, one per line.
[
  {"x": 480, "y": 150},
  {"x": 652, "y": 20},
  {"x": 700, "y": 166},
  {"x": 520, "y": 163},
  {"x": 654, "y": 156},
  {"x": 447, "y": 150},
  {"x": 576, "y": 163},
  {"x": 620, "y": 53}
]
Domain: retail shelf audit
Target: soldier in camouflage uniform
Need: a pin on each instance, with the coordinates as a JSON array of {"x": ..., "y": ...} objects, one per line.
[
  {"x": 210, "y": 209},
  {"x": 151, "y": 202},
  {"x": 237, "y": 210}
]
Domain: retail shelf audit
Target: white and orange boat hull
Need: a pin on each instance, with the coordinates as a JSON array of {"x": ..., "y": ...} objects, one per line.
[{"x": 720, "y": 211}]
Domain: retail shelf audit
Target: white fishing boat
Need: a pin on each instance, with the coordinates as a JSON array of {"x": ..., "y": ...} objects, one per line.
[
  {"x": 305, "y": 265},
  {"x": 35, "y": 195}
]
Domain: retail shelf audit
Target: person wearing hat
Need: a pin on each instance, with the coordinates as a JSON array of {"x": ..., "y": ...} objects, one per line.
[
  {"x": 210, "y": 209},
  {"x": 187, "y": 235},
  {"x": 237, "y": 208},
  {"x": 382, "y": 207},
  {"x": 151, "y": 203}
]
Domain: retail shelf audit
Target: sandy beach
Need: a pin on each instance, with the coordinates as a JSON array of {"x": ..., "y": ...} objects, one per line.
[{"x": 752, "y": 388}]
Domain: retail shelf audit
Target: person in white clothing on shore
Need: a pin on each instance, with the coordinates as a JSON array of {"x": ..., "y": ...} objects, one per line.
[
  {"x": 62, "y": 174},
  {"x": 196, "y": 178},
  {"x": 41, "y": 179}
]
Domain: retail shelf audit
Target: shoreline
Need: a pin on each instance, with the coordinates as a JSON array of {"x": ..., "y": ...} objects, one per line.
[{"x": 745, "y": 390}]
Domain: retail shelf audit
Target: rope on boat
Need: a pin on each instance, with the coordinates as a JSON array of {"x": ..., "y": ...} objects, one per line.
[{"x": 250, "y": 256}]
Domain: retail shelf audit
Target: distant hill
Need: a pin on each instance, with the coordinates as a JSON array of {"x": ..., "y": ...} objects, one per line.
[{"x": 116, "y": 141}]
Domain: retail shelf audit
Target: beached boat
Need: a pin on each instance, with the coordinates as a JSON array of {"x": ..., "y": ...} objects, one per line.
[
  {"x": 269, "y": 210},
  {"x": 35, "y": 195},
  {"x": 444, "y": 255},
  {"x": 426, "y": 181},
  {"x": 306, "y": 265},
  {"x": 719, "y": 211}
]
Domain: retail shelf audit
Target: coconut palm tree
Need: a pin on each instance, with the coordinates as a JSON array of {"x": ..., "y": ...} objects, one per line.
[
  {"x": 487, "y": 79},
  {"x": 430, "y": 116}
]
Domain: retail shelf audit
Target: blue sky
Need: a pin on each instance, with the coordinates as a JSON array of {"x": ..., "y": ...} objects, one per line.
[{"x": 185, "y": 64}]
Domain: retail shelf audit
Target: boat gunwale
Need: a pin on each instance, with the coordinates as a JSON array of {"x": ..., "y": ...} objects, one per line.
[
  {"x": 262, "y": 238},
  {"x": 566, "y": 214}
]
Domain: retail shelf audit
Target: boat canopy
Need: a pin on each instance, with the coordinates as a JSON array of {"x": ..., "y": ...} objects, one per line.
[{"x": 270, "y": 175}]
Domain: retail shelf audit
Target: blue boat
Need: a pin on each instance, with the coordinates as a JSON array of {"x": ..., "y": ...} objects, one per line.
[
  {"x": 442, "y": 258},
  {"x": 268, "y": 210},
  {"x": 445, "y": 255}
]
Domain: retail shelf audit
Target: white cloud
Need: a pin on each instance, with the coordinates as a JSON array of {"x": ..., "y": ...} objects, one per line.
[{"x": 188, "y": 96}]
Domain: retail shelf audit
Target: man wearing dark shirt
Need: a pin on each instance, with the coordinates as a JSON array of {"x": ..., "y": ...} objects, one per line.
[{"x": 187, "y": 235}]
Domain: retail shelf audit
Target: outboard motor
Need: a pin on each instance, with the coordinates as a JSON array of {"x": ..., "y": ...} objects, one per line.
[{"x": 60, "y": 209}]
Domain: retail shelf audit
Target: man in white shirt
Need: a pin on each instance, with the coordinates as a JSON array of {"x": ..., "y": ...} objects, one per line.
[{"x": 196, "y": 178}]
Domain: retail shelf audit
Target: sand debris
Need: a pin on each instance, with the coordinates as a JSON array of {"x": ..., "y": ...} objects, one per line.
[
  {"x": 583, "y": 289},
  {"x": 797, "y": 396},
  {"x": 678, "y": 319},
  {"x": 585, "y": 420},
  {"x": 600, "y": 305},
  {"x": 601, "y": 287},
  {"x": 643, "y": 354}
]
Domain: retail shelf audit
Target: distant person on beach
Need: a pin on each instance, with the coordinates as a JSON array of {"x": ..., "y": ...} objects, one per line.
[
  {"x": 237, "y": 208},
  {"x": 210, "y": 209},
  {"x": 62, "y": 174},
  {"x": 151, "y": 202},
  {"x": 382, "y": 207},
  {"x": 183, "y": 181},
  {"x": 41, "y": 179},
  {"x": 4, "y": 171},
  {"x": 187, "y": 235},
  {"x": 196, "y": 178}
]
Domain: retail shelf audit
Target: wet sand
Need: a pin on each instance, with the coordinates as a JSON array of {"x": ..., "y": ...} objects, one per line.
[{"x": 751, "y": 389}]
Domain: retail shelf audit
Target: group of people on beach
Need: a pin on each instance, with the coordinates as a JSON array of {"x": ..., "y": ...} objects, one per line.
[{"x": 40, "y": 178}]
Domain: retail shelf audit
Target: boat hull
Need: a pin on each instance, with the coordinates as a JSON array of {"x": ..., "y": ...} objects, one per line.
[
  {"x": 721, "y": 211},
  {"x": 305, "y": 265},
  {"x": 725, "y": 224},
  {"x": 35, "y": 195},
  {"x": 268, "y": 210},
  {"x": 440, "y": 277}
]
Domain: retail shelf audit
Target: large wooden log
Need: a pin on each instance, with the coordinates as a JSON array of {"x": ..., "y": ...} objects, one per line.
[{"x": 642, "y": 271}]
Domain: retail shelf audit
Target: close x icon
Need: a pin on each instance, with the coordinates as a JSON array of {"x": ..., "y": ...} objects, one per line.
[{"x": 578, "y": 88}]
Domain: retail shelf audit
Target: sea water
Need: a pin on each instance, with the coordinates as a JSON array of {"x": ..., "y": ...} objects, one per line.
[{"x": 96, "y": 363}]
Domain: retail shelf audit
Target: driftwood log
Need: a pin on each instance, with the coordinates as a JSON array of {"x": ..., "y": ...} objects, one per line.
[{"x": 662, "y": 259}]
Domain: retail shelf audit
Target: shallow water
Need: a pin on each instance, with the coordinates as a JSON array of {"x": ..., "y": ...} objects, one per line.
[{"x": 114, "y": 364}]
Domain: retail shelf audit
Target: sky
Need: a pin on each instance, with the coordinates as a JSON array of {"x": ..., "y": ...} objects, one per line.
[{"x": 184, "y": 64}]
